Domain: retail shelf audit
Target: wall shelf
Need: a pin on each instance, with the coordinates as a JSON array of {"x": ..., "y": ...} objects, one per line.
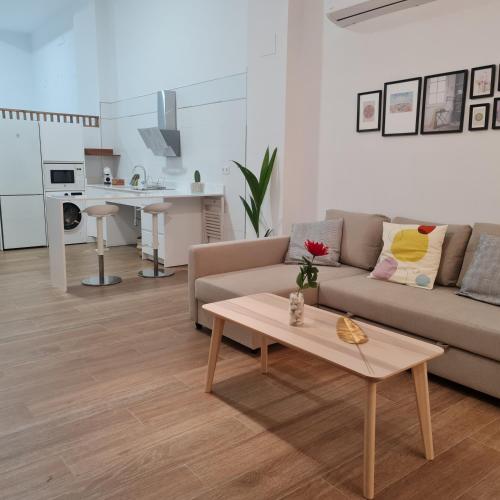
[{"x": 100, "y": 152}]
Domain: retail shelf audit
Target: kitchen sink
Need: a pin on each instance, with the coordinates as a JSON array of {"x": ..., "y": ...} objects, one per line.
[{"x": 155, "y": 188}]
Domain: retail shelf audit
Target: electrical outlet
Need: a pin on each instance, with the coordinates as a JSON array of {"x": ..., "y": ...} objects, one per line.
[{"x": 226, "y": 170}]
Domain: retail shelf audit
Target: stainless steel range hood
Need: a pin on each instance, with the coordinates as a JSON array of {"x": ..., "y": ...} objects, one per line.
[{"x": 165, "y": 139}]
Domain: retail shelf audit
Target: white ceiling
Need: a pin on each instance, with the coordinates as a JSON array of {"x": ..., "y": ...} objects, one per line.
[{"x": 25, "y": 16}]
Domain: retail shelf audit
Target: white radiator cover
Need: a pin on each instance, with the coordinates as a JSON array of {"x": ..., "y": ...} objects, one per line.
[{"x": 347, "y": 12}]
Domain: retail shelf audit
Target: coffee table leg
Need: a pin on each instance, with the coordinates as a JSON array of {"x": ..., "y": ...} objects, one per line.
[
  {"x": 263, "y": 354},
  {"x": 424, "y": 411},
  {"x": 217, "y": 329},
  {"x": 369, "y": 451}
]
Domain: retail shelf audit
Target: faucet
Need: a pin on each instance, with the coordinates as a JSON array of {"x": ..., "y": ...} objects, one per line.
[{"x": 145, "y": 181}]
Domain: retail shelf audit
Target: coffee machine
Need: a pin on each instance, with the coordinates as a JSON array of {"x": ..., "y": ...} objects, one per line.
[{"x": 107, "y": 176}]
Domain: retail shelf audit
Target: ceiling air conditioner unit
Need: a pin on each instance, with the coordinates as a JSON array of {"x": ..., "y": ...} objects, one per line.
[{"x": 348, "y": 12}]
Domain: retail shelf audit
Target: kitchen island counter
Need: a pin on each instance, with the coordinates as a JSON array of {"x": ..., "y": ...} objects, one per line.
[
  {"x": 177, "y": 191},
  {"x": 182, "y": 227}
]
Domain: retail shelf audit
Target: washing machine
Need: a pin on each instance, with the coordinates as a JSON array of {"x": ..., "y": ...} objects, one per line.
[{"x": 75, "y": 221}]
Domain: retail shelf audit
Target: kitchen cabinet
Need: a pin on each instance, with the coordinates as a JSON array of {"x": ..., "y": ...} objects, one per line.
[
  {"x": 23, "y": 221},
  {"x": 62, "y": 142}
]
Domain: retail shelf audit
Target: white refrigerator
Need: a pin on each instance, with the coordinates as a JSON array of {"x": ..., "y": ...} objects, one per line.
[{"x": 22, "y": 207}]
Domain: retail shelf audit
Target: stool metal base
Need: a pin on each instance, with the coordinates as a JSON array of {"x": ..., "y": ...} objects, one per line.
[
  {"x": 155, "y": 272},
  {"x": 150, "y": 273},
  {"x": 101, "y": 281}
]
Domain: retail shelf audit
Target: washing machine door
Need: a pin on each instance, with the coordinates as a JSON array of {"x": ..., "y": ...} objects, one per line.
[{"x": 72, "y": 216}]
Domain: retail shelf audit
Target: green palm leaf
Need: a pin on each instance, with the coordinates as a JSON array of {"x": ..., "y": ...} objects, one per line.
[
  {"x": 252, "y": 215},
  {"x": 252, "y": 181},
  {"x": 266, "y": 172}
]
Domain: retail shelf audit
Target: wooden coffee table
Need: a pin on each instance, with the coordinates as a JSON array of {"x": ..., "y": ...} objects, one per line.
[{"x": 385, "y": 354}]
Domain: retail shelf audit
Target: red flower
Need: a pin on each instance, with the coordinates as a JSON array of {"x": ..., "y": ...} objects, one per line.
[{"x": 316, "y": 248}]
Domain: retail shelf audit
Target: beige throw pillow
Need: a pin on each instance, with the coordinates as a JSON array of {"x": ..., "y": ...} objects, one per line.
[{"x": 411, "y": 254}]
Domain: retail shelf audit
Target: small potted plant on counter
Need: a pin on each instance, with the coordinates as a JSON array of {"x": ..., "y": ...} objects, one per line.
[{"x": 197, "y": 186}]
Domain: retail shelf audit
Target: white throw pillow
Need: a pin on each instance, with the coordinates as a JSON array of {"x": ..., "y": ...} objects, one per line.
[{"x": 411, "y": 254}]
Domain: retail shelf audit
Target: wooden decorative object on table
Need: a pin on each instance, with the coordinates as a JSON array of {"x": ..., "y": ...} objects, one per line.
[
  {"x": 350, "y": 332},
  {"x": 118, "y": 182}
]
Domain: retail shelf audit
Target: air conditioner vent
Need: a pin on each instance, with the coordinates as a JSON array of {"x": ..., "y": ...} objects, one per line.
[{"x": 347, "y": 12}]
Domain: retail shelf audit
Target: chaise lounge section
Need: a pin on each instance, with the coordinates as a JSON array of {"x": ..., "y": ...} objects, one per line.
[{"x": 469, "y": 330}]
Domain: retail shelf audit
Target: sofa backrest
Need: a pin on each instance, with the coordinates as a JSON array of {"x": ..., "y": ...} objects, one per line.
[
  {"x": 454, "y": 246},
  {"x": 361, "y": 237},
  {"x": 479, "y": 229}
]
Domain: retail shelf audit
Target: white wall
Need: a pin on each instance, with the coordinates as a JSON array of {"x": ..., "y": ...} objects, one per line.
[
  {"x": 65, "y": 61},
  {"x": 211, "y": 117},
  {"x": 16, "y": 77},
  {"x": 56, "y": 85},
  {"x": 55, "y": 67},
  {"x": 197, "y": 48},
  {"x": 85, "y": 39},
  {"x": 284, "y": 81},
  {"x": 267, "y": 67},
  {"x": 303, "y": 92},
  {"x": 166, "y": 43},
  {"x": 448, "y": 178}
]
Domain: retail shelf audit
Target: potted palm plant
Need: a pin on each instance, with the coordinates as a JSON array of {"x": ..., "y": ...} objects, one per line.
[{"x": 258, "y": 188}]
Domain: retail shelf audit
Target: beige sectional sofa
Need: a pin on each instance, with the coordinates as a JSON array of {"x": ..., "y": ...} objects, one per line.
[{"x": 469, "y": 330}]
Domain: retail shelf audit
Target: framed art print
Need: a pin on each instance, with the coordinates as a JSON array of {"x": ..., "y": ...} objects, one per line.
[
  {"x": 402, "y": 107},
  {"x": 496, "y": 114},
  {"x": 482, "y": 82},
  {"x": 444, "y": 102},
  {"x": 369, "y": 116},
  {"x": 479, "y": 117}
]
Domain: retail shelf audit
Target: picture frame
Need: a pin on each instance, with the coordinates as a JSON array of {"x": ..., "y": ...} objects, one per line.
[
  {"x": 482, "y": 82},
  {"x": 495, "y": 125},
  {"x": 402, "y": 107},
  {"x": 444, "y": 100},
  {"x": 479, "y": 117},
  {"x": 369, "y": 115}
]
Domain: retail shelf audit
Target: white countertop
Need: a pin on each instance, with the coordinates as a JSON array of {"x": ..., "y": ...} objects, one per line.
[{"x": 111, "y": 193}]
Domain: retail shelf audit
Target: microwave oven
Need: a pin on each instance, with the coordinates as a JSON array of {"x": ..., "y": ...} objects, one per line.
[{"x": 64, "y": 176}]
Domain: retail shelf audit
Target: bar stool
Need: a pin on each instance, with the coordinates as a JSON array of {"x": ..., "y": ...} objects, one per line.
[
  {"x": 99, "y": 212},
  {"x": 154, "y": 210}
]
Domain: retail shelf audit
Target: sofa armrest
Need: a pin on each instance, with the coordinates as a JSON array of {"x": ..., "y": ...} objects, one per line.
[{"x": 227, "y": 256}]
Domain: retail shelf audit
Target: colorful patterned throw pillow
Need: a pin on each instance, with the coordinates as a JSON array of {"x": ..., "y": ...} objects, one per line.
[{"x": 411, "y": 254}]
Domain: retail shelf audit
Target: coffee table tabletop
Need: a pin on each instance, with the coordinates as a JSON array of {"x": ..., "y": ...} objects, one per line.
[{"x": 385, "y": 354}]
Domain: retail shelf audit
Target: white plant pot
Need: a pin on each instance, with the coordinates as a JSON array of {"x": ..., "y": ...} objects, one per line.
[{"x": 197, "y": 187}]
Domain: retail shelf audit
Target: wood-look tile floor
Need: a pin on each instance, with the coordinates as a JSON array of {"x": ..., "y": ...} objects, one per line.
[{"x": 101, "y": 396}]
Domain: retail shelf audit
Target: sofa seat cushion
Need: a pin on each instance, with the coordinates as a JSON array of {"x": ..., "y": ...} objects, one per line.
[
  {"x": 438, "y": 314},
  {"x": 278, "y": 279}
]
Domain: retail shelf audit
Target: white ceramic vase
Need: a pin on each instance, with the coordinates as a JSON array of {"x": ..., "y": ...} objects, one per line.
[{"x": 296, "y": 309}]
